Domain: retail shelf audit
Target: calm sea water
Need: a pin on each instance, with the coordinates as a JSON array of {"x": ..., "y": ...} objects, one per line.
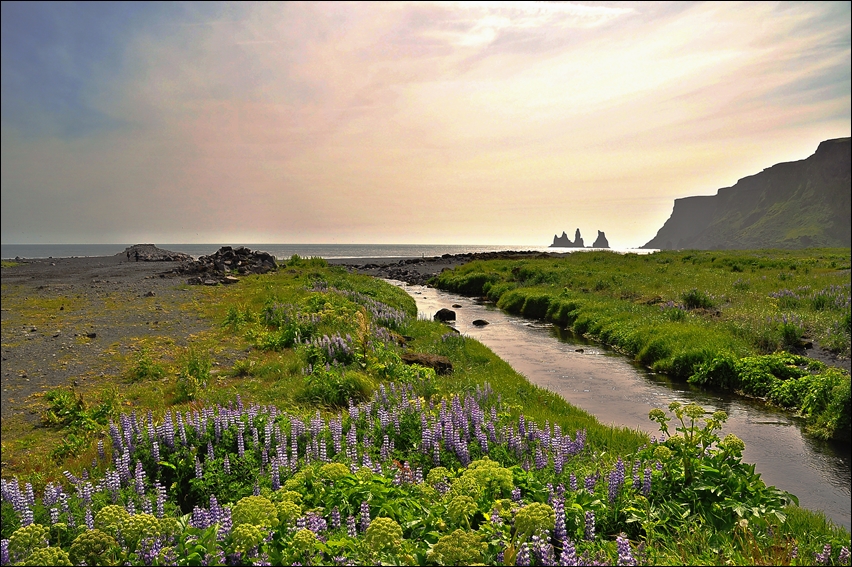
[{"x": 280, "y": 251}]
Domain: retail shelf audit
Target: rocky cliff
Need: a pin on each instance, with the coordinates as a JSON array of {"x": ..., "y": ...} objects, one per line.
[{"x": 798, "y": 204}]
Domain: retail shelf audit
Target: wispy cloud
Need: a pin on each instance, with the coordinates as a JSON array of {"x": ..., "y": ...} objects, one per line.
[{"x": 424, "y": 121}]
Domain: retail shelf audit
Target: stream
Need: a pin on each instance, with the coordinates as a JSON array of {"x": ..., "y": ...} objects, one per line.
[{"x": 619, "y": 392}]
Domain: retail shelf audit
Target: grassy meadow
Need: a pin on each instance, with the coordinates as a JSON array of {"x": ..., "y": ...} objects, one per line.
[
  {"x": 736, "y": 320},
  {"x": 292, "y": 432}
]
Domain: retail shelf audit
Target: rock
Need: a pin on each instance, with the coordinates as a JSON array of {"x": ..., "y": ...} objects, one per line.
[
  {"x": 601, "y": 241},
  {"x": 221, "y": 265},
  {"x": 579, "y": 350},
  {"x": 210, "y": 282},
  {"x": 480, "y": 323},
  {"x": 150, "y": 253},
  {"x": 91, "y": 335},
  {"x": 441, "y": 364},
  {"x": 456, "y": 306},
  {"x": 149, "y": 294},
  {"x": 445, "y": 314},
  {"x": 565, "y": 242}
]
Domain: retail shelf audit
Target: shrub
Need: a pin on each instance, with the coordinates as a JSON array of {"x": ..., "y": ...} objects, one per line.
[
  {"x": 194, "y": 374},
  {"x": 145, "y": 368},
  {"x": 695, "y": 299}
]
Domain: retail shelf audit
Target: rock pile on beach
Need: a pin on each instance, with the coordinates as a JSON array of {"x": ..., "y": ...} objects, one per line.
[
  {"x": 219, "y": 267},
  {"x": 150, "y": 253}
]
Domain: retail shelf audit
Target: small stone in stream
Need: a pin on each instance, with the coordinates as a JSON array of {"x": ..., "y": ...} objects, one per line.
[
  {"x": 456, "y": 306},
  {"x": 480, "y": 323},
  {"x": 445, "y": 314},
  {"x": 579, "y": 350}
]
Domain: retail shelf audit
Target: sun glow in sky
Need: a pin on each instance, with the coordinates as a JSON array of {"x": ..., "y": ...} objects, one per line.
[{"x": 420, "y": 122}]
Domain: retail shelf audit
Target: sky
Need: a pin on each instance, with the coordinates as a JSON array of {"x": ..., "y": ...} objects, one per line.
[{"x": 418, "y": 122}]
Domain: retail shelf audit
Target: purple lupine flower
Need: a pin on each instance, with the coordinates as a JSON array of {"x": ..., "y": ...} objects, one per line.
[
  {"x": 625, "y": 556},
  {"x": 4, "y": 552},
  {"x": 335, "y": 518},
  {"x": 89, "y": 519},
  {"x": 843, "y": 557},
  {"x": 161, "y": 498},
  {"x": 54, "y": 515},
  {"x": 227, "y": 465},
  {"x": 543, "y": 551},
  {"x": 241, "y": 445},
  {"x": 568, "y": 557},
  {"x": 276, "y": 477},
  {"x": 559, "y": 530},
  {"x": 646, "y": 486},
  {"x": 350, "y": 526},
  {"x": 215, "y": 511},
  {"x": 155, "y": 451},
  {"x": 589, "y": 533},
  {"x": 139, "y": 478},
  {"x": 199, "y": 472},
  {"x": 523, "y": 556},
  {"x": 365, "y": 516},
  {"x": 572, "y": 482},
  {"x": 825, "y": 557},
  {"x": 147, "y": 507},
  {"x": 225, "y": 523},
  {"x": 516, "y": 494},
  {"x": 101, "y": 452},
  {"x": 590, "y": 482},
  {"x": 131, "y": 508}
]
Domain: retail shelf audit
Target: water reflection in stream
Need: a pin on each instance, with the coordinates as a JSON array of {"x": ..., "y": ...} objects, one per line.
[{"x": 619, "y": 392}]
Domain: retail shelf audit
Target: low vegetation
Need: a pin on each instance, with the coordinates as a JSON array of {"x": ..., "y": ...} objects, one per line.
[
  {"x": 317, "y": 444},
  {"x": 719, "y": 318}
]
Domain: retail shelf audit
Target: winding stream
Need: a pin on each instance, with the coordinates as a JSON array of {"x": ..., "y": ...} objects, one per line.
[{"x": 619, "y": 392}]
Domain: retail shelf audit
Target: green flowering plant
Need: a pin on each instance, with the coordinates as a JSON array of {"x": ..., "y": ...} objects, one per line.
[
  {"x": 255, "y": 510},
  {"x": 461, "y": 509},
  {"x": 110, "y": 517},
  {"x": 48, "y": 556},
  {"x": 288, "y": 513},
  {"x": 333, "y": 471},
  {"x": 247, "y": 536},
  {"x": 458, "y": 548},
  {"x": 533, "y": 519},
  {"x": 137, "y": 527},
  {"x": 706, "y": 475},
  {"x": 93, "y": 547},
  {"x": 384, "y": 535},
  {"x": 494, "y": 480},
  {"x": 27, "y": 539}
]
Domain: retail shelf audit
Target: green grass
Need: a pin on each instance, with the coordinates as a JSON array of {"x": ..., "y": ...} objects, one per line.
[
  {"x": 228, "y": 360},
  {"x": 676, "y": 312}
]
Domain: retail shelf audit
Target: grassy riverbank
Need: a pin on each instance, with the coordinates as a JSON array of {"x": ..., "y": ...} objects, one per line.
[
  {"x": 244, "y": 447},
  {"x": 728, "y": 319}
]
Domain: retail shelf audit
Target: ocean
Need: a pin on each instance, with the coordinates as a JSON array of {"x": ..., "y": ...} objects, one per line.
[{"x": 280, "y": 251}]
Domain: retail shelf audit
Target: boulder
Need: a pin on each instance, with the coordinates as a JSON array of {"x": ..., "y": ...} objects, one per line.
[
  {"x": 440, "y": 364},
  {"x": 221, "y": 266},
  {"x": 480, "y": 323},
  {"x": 445, "y": 314}
]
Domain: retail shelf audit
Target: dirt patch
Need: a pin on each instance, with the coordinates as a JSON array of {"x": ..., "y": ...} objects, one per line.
[{"x": 74, "y": 321}]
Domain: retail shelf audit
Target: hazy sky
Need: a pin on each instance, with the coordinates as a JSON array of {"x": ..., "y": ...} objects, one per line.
[{"x": 422, "y": 122}]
